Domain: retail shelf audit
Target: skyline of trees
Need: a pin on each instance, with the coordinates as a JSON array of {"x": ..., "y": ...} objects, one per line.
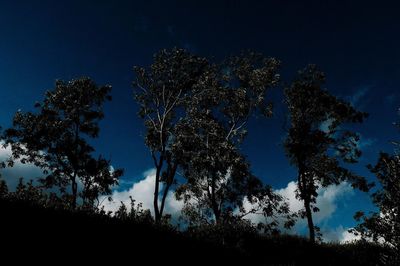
[{"x": 195, "y": 113}]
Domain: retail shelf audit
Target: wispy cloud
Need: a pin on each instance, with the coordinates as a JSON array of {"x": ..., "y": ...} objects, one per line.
[
  {"x": 365, "y": 143},
  {"x": 391, "y": 99},
  {"x": 358, "y": 99}
]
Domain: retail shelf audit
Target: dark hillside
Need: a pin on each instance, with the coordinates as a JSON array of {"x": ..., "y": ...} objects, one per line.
[{"x": 36, "y": 232}]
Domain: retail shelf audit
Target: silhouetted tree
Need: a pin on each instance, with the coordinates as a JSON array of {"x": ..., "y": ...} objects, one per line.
[
  {"x": 55, "y": 139},
  {"x": 218, "y": 176},
  {"x": 317, "y": 144},
  {"x": 135, "y": 213},
  {"x": 162, "y": 91},
  {"x": 28, "y": 192},
  {"x": 98, "y": 179},
  {"x": 384, "y": 226},
  {"x": 3, "y": 188}
]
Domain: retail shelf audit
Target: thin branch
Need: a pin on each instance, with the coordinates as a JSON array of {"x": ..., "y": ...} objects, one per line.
[
  {"x": 152, "y": 121},
  {"x": 174, "y": 103},
  {"x": 141, "y": 87},
  {"x": 163, "y": 94}
]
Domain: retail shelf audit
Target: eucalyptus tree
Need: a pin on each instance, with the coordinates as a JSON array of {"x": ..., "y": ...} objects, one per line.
[
  {"x": 317, "y": 142},
  {"x": 55, "y": 138},
  {"x": 163, "y": 92},
  {"x": 218, "y": 175}
]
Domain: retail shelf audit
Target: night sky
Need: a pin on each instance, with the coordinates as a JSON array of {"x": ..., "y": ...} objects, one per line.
[{"x": 356, "y": 44}]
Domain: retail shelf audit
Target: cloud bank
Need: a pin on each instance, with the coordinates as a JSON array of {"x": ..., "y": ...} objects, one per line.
[
  {"x": 327, "y": 200},
  {"x": 143, "y": 190}
]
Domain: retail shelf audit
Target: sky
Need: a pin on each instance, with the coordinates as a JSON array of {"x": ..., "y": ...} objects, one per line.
[{"x": 355, "y": 43}]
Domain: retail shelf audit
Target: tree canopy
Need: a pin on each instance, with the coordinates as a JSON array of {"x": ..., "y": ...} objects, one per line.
[
  {"x": 55, "y": 138},
  {"x": 218, "y": 176}
]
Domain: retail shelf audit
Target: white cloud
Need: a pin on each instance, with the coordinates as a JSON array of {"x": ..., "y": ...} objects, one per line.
[
  {"x": 12, "y": 174},
  {"x": 289, "y": 193},
  {"x": 358, "y": 96},
  {"x": 339, "y": 235},
  {"x": 328, "y": 197},
  {"x": 347, "y": 237},
  {"x": 142, "y": 191},
  {"x": 326, "y": 202}
]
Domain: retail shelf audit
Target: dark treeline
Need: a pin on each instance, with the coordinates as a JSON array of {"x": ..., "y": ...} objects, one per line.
[{"x": 196, "y": 112}]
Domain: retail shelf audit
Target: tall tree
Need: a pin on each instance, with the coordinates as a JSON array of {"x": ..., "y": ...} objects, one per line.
[
  {"x": 162, "y": 92},
  {"x": 317, "y": 143},
  {"x": 218, "y": 176},
  {"x": 55, "y": 138}
]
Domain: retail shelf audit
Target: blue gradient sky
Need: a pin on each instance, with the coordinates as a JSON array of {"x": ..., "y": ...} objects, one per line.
[{"x": 356, "y": 44}]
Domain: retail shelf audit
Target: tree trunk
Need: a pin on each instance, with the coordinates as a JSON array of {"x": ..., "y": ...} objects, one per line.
[
  {"x": 170, "y": 180},
  {"x": 310, "y": 220},
  {"x": 304, "y": 192},
  {"x": 157, "y": 214},
  {"x": 217, "y": 215},
  {"x": 75, "y": 165},
  {"x": 74, "y": 192},
  {"x": 214, "y": 204},
  {"x": 157, "y": 217}
]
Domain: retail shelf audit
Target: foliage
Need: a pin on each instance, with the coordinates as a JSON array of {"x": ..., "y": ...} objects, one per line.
[
  {"x": 384, "y": 226},
  {"x": 317, "y": 144},
  {"x": 161, "y": 91},
  {"x": 135, "y": 213},
  {"x": 3, "y": 188},
  {"x": 55, "y": 139},
  {"x": 218, "y": 175}
]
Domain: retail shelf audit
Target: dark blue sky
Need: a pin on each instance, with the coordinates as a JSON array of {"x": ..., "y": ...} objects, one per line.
[{"x": 356, "y": 44}]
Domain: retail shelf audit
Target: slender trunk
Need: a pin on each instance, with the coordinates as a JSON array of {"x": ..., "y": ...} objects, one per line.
[
  {"x": 304, "y": 192},
  {"x": 214, "y": 204},
  {"x": 155, "y": 200},
  {"x": 217, "y": 213},
  {"x": 75, "y": 166},
  {"x": 310, "y": 222},
  {"x": 170, "y": 180},
  {"x": 74, "y": 191},
  {"x": 159, "y": 165}
]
